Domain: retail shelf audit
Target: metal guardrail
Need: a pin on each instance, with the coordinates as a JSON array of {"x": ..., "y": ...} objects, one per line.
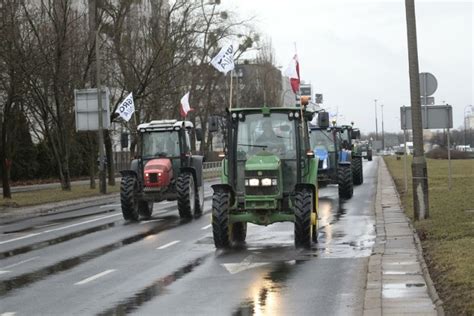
[{"x": 212, "y": 169}]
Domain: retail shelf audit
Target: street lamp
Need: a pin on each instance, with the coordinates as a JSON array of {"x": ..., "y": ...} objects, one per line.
[
  {"x": 376, "y": 124},
  {"x": 383, "y": 135}
]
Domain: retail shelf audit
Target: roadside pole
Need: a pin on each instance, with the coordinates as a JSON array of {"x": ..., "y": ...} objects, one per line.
[
  {"x": 419, "y": 168},
  {"x": 102, "y": 179},
  {"x": 405, "y": 162}
]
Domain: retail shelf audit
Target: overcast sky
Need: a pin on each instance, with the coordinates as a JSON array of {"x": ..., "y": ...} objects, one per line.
[{"x": 356, "y": 51}]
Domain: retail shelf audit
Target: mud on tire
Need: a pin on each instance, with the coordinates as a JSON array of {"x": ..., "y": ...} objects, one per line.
[
  {"x": 128, "y": 199},
  {"x": 303, "y": 228}
]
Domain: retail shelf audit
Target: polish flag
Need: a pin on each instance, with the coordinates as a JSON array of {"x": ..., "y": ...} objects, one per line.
[
  {"x": 293, "y": 72},
  {"x": 185, "y": 108}
]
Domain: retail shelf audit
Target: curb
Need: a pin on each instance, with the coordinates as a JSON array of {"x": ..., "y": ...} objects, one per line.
[{"x": 424, "y": 267}]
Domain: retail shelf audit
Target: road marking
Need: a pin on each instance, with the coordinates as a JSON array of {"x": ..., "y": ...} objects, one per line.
[
  {"x": 206, "y": 227},
  {"x": 21, "y": 262},
  {"x": 2, "y": 271},
  {"x": 168, "y": 244},
  {"x": 58, "y": 229},
  {"x": 246, "y": 264},
  {"x": 94, "y": 277},
  {"x": 9, "y": 314},
  {"x": 110, "y": 205},
  {"x": 150, "y": 221}
]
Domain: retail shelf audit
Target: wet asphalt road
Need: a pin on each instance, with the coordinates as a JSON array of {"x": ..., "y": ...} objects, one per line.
[{"x": 92, "y": 262}]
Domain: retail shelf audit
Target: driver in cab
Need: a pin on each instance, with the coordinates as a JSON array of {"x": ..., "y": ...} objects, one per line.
[{"x": 269, "y": 140}]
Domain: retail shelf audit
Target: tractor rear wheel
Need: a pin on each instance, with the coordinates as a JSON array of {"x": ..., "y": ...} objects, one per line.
[
  {"x": 186, "y": 195},
  {"x": 303, "y": 228},
  {"x": 128, "y": 198},
  {"x": 344, "y": 181},
  {"x": 357, "y": 171},
  {"x": 145, "y": 209},
  {"x": 221, "y": 229},
  {"x": 239, "y": 232},
  {"x": 199, "y": 201}
]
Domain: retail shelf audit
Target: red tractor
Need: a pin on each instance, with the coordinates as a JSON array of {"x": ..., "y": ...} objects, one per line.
[{"x": 165, "y": 169}]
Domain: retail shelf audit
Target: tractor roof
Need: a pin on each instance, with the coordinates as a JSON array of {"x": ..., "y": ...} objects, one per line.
[
  {"x": 163, "y": 125},
  {"x": 267, "y": 109}
]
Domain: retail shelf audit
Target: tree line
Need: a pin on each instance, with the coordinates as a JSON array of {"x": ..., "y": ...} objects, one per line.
[{"x": 158, "y": 50}]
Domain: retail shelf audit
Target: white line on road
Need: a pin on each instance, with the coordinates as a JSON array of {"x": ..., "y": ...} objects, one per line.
[
  {"x": 94, "y": 277},
  {"x": 58, "y": 229},
  {"x": 110, "y": 205},
  {"x": 168, "y": 244},
  {"x": 151, "y": 221},
  {"x": 206, "y": 227},
  {"x": 2, "y": 271},
  {"x": 21, "y": 262},
  {"x": 9, "y": 314}
]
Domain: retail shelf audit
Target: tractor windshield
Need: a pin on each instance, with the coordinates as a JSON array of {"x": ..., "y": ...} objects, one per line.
[
  {"x": 274, "y": 134},
  {"x": 321, "y": 139},
  {"x": 160, "y": 144}
]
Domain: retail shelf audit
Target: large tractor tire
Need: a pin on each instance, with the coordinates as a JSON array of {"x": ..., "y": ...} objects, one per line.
[
  {"x": 239, "y": 232},
  {"x": 199, "y": 201},
  {"x": 344, "y": 181},
  {"x": 186, "y": 195},
  {"x": 128, "y": 198},
  {"x": 221, "y": 229},
  {"x": 357, "y": 171},
  {"x": 145, "y": 209},
  {"x": 369, "y": 156},
  {"x": 303, "y": 228}
]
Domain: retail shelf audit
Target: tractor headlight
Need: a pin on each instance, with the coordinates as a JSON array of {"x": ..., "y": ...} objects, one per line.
[
  {"x": 266, "y": 182},
  {"x": 290, "y": 115},
  {"x": 297, "y": 114},
  {"x": 274, "y": 182},
  {"x": 254, "y": 182},
  {"x": 234, "y": 115},
  {"x": 325, "y": 163},
  {"x": 246, "y": 182}
]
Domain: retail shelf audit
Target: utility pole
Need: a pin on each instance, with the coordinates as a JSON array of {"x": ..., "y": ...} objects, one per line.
[
  {"x": 376, "y": 124},
  {"x": 102, "y": 175},
  {"x": 383, "y": 134},
  {"x": 419, "y": 169}
]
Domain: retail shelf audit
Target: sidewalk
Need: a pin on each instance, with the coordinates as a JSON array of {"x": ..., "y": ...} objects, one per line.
[{"x": 398, "y": 282}]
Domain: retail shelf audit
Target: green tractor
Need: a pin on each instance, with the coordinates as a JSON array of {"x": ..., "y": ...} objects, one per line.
[
  {"x": 269, "y": 175},
  {"x": 164, "y": 169}
]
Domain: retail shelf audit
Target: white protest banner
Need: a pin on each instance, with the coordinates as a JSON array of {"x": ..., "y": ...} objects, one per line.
[
  {"x": 126, "y": 108},
  {"x": 224, "y": 60}
]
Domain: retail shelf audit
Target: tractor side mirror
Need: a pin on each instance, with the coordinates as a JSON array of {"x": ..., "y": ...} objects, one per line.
[
  {"x": 308, "y": 115},
  {"x": 198, "y": 132},
  {"x": 355, "y": 134},
  {"x": 323, "y": 120},
  {"x": 124, "y": 140},
  {"x": 213, "y": 124}
]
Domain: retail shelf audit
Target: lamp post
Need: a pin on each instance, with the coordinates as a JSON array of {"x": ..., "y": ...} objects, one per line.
[
  {"x": 383, "y": 134},
  {"x": 102, "y": 175},
  {"x": 465, "y": 124},
  {"x": 376, "y": 124}
]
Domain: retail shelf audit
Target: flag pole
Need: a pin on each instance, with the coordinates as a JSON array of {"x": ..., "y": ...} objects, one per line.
[{"x": 231, "y": 85}]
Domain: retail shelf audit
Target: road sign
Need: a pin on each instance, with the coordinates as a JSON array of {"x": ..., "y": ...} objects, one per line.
[
  {"x": 428, "y": 84},
  {"x": 433, "y": 117},
  {"x": 86, "y": 108},
  {"x": 319, "y": 98}
]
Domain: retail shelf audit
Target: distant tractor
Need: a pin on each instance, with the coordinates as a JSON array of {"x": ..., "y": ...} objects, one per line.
[
  {"x": 269, "y": 175},
  {"x": 365, "y": 149},
  {"x": 347, "y": 135},
  {"x": 164, "y": 169},
  {"x": 334, "y": 166}
]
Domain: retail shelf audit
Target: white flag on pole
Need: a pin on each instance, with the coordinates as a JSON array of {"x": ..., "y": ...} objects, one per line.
[
  {"x": 224, "y": 60},
  {"x": 185, "y": 107},
  {"x": 126, "y": 108}
]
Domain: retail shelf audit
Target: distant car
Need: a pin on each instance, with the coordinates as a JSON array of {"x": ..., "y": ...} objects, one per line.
[{"x": 366, "y": 151}]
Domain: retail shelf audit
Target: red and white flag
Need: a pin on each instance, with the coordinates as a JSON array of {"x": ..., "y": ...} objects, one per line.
[
  {"x": 293, "y": 72},
  {"x": 185, "y": 108}
]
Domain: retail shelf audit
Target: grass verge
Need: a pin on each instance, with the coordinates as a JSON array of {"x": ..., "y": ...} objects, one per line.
[
  {"x": 37, "y": 197},
  {"x": 448, "y": 235}
]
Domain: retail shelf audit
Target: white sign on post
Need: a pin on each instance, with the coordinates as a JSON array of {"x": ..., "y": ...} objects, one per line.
[{"x": 86, "y": 109}]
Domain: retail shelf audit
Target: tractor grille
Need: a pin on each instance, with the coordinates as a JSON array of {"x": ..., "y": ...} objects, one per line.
[
  {"x": 273, "y": 190},
  {"x": 153, "y": 177}
]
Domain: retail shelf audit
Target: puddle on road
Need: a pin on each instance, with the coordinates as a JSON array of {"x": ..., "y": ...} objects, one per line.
[
  {"x": 264, "y": 294},
  {"x": 15, "y": 283},
  {"x": 157, "y": 288}
]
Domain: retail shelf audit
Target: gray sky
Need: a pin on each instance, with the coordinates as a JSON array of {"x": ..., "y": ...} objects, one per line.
[{"x": 356, "y": 51}]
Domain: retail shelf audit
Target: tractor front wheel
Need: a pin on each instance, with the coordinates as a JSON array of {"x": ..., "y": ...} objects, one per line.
[
  {"x": 357, "y": 171},
  {"x": 221, "y": 229},
  {"x": 128, "y": 198},
  {"x": 186, "y": 195},
  {"x": 303, "y": 228},
  {"x": 344, "y": 181}
]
